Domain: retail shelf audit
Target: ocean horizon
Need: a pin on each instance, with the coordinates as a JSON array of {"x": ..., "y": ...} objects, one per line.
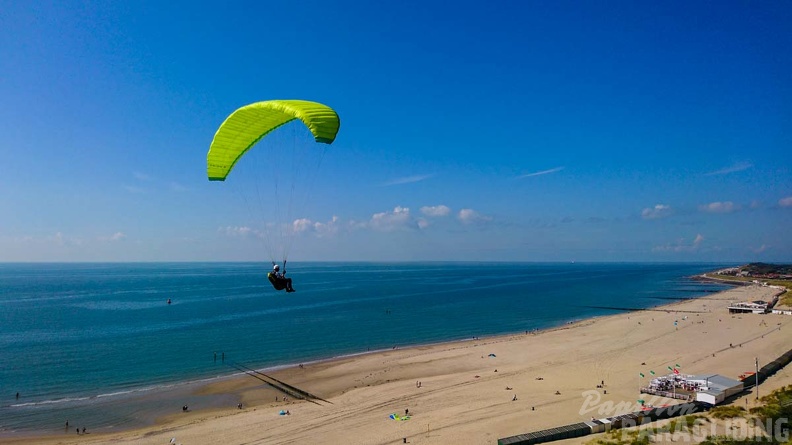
[{"x": 79, "y": 340}]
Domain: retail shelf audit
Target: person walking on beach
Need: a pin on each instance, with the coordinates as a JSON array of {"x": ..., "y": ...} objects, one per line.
[{"x": 279, "y": 280}]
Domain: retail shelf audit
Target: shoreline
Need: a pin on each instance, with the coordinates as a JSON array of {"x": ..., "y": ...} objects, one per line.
[
  {"x": 707, "y": 278},
  {"x": 184, "y": 388},
  {"x": 338, "y": 377},
  {"x": 200, "y": 385}
]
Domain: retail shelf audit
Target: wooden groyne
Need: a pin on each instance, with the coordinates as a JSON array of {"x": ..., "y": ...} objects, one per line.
[{"x": 291, "y": 391}]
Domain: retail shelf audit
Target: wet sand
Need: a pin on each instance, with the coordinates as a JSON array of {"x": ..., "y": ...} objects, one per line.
[{"x": 462, "y": 398}]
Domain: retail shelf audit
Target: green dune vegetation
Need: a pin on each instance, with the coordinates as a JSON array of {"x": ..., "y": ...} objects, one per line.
[{"x": 768, "y": 423}]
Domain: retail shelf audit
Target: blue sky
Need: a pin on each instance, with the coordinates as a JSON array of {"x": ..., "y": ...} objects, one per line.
[{"x": 492, "y": 131}]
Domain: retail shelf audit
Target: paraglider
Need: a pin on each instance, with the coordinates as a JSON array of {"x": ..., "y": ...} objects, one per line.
[
  {"x": 261, "y": 127},
  {"x": 279, "y": 280}
]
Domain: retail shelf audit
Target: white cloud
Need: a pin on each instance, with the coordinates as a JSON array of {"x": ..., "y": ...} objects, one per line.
[
  {"x": 118, "y": 236},
  {"x": 57, "y": 238},
  {"x": 656, "y": 212},
  {"x": 236, "y": 231},
  {"x": 470, "y": 216},
  {"x": 329, "y": 227},
  {"x": 718, "y": 207},
  {"x": 785, "y": 202},
  {"x": 358, "y": 225},
  {"x": 407, "y": 180},
  {"x": 319, "y": 228},
  {"x": 399, "y": 218},
  {"x": 760, "y": 249},
  {"x": 681, "y": 245},
  {"x": 733, "y": 169},
  {"x": 440, "y": 210},
  {"x": 141, "y": 176},
  {"x": 302, "y": 225},
  {"x": 539, "y": 173}
]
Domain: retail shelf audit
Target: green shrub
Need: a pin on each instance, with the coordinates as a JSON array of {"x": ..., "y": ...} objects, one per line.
[{"x": 727, "y": 412}]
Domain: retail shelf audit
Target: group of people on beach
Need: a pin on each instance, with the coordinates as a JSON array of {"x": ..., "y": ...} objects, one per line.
[{"x": 76, "y": 429}]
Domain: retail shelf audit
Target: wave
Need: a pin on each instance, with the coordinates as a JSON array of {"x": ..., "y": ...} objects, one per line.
[{"x": 125, "y": 393}]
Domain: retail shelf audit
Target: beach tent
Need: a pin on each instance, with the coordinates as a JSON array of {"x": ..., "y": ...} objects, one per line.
[{"x": 398, "y": 417}]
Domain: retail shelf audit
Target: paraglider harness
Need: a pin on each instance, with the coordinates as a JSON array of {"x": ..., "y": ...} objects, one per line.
[{"x": 278, "y": 282}]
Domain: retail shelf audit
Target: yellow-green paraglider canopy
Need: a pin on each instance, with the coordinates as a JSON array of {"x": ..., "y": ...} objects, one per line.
[{"x": 249, "y": 124}]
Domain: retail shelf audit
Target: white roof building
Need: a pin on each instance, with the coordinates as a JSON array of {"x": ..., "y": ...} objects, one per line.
[{"x": 715, "y": 388}]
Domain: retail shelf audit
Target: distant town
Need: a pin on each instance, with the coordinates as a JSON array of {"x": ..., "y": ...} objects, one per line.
[
  {"x": 772, "y": 275},
  {"x": 760, "y": 270}
]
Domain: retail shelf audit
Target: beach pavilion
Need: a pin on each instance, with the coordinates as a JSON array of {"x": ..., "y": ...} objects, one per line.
[{"x": 715, "y": 388}]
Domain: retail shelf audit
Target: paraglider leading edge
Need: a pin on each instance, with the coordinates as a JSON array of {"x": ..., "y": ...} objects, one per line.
[{"x": 247, "y": 125}]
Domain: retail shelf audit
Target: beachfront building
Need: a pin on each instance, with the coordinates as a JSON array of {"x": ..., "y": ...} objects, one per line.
[
  {"x": 707, "y": 388},
  {"x": 671, "y": 386},
  {"x": 750, "y": 307},
  {"x": 713, "y": 389}
]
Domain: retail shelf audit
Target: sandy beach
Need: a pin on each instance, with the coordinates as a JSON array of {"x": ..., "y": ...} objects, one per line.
[{"x": 462, "y": 397}]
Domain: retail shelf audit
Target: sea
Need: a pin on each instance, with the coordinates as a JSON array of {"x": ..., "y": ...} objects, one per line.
[{"x": 111, "y": 345}]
